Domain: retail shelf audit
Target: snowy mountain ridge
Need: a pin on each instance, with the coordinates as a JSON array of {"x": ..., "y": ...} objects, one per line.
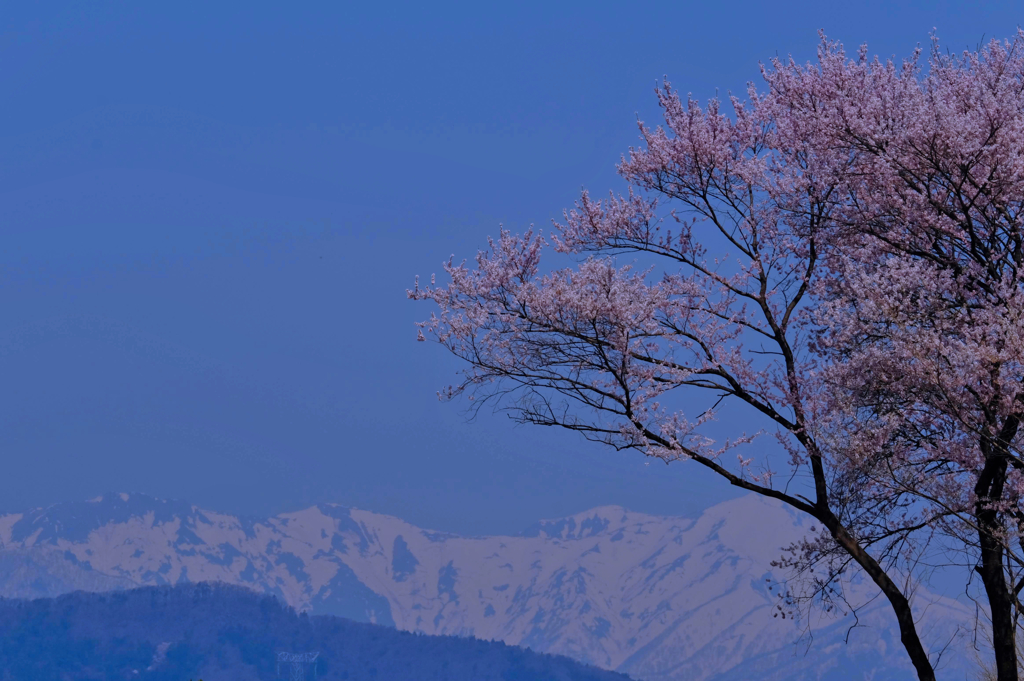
[{"x": 654, "y": 597}]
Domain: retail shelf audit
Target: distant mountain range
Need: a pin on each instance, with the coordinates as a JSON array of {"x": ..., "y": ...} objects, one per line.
[
  {"x": 658, "y": 598},
  {"x": 226, "y": 633}
]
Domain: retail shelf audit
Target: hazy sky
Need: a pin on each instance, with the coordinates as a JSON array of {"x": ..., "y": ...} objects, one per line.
[{"x": 209, "y": 216}]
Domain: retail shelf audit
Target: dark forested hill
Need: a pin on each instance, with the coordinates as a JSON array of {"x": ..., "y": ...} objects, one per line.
[{"x": 227, "y": 633}]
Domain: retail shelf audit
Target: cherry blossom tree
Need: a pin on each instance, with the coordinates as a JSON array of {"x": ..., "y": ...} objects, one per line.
[
  {"x": 921, "y": 308},
  {"x": 839, "y": 257}
]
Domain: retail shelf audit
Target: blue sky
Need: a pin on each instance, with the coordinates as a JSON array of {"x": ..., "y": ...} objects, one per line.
[{"x": 210, "y": 215}]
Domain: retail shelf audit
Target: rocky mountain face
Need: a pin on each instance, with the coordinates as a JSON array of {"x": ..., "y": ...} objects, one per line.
[{"x": 658, "y": 598}]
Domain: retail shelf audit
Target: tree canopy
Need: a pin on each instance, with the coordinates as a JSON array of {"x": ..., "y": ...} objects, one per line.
[{"x": 840, "y": 255}]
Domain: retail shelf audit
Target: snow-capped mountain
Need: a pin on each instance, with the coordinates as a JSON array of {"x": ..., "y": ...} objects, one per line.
[{"x": 655, "y": 597}]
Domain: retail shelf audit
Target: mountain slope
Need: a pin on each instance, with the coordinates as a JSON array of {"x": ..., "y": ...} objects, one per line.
[
  {"x": 229, "y": 633},
  {"x": 659, "y": 598}
]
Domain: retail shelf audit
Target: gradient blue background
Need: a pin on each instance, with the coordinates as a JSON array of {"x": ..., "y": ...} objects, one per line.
[{"x": 209, "y": 215}]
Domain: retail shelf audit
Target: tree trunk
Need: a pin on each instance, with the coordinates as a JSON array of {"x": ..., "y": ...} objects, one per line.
[
  {"x": 992, "y": 570},
  {"x": 900, "y": 604}
]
